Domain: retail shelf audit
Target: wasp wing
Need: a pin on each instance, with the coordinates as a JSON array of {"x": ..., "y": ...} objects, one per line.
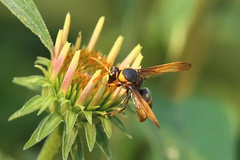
[
  {"x": 169, "y": 67},
  {"x": 142, "y": 108}
]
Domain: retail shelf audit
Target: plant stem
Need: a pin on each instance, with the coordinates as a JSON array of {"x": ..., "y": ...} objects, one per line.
[{"x": 51, "y": 146}]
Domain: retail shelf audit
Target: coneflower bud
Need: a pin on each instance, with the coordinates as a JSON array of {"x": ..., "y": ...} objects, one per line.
[{"x": 73, "y": 94}]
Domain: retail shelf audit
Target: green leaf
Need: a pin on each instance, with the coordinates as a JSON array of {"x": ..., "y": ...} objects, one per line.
[
  {"x": 67, "y": 142},
  {"x": 32, "y": 105},
  {"x": 43, "y": 61},
  {"x": 28, "y": 14},
  {"x": 31, "y": 82},
  {"x": 90, "y": 132},
  {"x": 47, "y": 125},
  {"x": 50, "y": 124},
  {"x": 70, "y": 120},
  {"x": 102, "y": 142},
  {"x": 106, "y": 124},
  {"x": 88, "y": 115},
  {"x": 120, "y": 125},
  {"x": 34, "y": 137},
  {"x": 46, "y": 103},
  {"x": 77, "y": 150}
]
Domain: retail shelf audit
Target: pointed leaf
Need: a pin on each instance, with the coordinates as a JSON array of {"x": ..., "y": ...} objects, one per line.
[
  {"x": 49, "y": 125},
  {"x": 106, "y": 124},
  {"x": 27, "y": 13},
  {"x": 77, "y": 150},
  {"x": 46, "y": 103},
  {"x": 43, "y": 61},
  {"x": 70, "y": 120},
  {"x": 88, "y": 115},
  {"x": 32, "y": 105},
  {"x": 120, "y": 125},
  {"x": 67, "y": 142},
  {"x": 33, "y": 139},
  {"x": 102, "y": 142},
  {"x": 31, "y": 82},
  {"x": 90, "y": 132}
]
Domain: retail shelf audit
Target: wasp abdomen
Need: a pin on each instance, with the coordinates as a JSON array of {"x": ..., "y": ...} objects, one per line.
[{"x": 146, "y": 95}]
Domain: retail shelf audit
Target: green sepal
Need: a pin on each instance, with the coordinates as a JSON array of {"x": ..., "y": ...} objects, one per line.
[
  {"x": 65, "y": 105},
  {"x": 106, "y": 125},
  {"x": 46, "y": 126},
  {"x": 117, "y": 122},
  {"x": 43, "y": 61},
  {"x": 67, "y": 142},
  {"x": 32, "y": 105},
  {"x": 61, "y": 95},
  {"x": 79, "y": 107},
  {"x": 102, "y": 142},
  {"x": 92, "y": 108},
  {"x": 68, "y": 94},
  {"x": 31, "y": 82},
  {"x": 73, "y": 96},
  {"x": 45, "y": 72},
  {"x": 70, "y": 120},
  {"x": 46, "y": 103},
  {"x": 102, "y": 113},
  {"x": 90, "y": 133},
  {"x": 56, "y": 83},
  {"x": 77, "y": 150},
  {"x": 48, "y": 89},
  {"x": 88, "y": 115}
]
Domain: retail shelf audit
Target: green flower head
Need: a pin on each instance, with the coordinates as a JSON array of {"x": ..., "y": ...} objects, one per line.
[{"x": 74, "y": 96}]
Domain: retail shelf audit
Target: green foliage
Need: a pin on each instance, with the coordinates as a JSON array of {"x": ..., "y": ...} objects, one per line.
[
  {"x": 67, "y": 141},
  {"x": 102, "y": 141},
  {"x": 46, "y": 126},
  {"x": 120, "y": 125},
  {"x": 43, "y": 61},
  {"x": 90, "y": 133},
  {"x": 32, "y": 105},
  {"x": 70, "y": 120},
  {"x": 28, "y": 14},
  {"x": 30, "y": 82},
  {"x": 46, "y": 103},
  {"x": 106, "y": 125},
  {"x": 77, "y": 150}
]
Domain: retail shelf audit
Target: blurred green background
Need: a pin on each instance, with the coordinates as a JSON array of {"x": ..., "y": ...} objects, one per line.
[{"x": 198, "y": 110}]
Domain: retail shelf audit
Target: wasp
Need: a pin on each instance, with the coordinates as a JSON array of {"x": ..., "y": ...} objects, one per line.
[{"x": 132, "y": 79}]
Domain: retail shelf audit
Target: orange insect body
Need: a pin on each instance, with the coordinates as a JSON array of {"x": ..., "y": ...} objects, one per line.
[{"x": 132, "y": 80}]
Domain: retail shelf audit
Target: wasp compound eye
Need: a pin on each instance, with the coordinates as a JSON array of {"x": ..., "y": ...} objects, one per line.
[{"x": 113, "y": 74}]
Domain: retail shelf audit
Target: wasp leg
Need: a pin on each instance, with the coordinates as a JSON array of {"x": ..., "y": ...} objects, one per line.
[
  {"x": 125, "y": 99},
  {"x": 126, "y": 103},
  {"x": 112, "y": 84}
]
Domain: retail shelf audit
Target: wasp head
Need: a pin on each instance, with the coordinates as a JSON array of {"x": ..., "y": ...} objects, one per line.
[{"x": 113, "y": 74}]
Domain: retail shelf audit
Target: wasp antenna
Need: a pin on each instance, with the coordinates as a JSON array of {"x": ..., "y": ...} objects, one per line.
[{"x": 97, "y": 60}]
